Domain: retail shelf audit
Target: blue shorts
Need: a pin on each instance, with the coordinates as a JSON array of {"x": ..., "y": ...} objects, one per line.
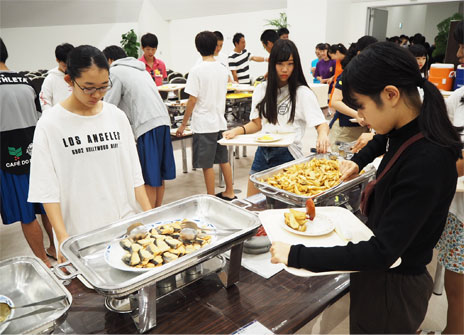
[
  {"x": 269, "y": 157},
  {"x": 156, "y": 156},
  {"x": 14, "y": 207}
]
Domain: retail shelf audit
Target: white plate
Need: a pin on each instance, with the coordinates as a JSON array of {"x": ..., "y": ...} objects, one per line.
[
  {"x": 5, "y": 324},
  {"x": 114, "y": 252},
  {"x": 274, "y": 138},
  {"x": 321, "y": 225},
  {"x": 273, "y": 219}
]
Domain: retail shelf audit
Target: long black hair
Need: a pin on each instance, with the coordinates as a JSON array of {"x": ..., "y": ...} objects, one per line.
[
  {"x": 83, "y": 57},
  {"x": 281, "y": 52},
  {"x": 386, "y": 63}
]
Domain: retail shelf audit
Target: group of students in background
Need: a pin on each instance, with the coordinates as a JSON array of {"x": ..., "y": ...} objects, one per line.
[
  {"x": 346, "y": 125},
  {"x": 102, "y": 150}
]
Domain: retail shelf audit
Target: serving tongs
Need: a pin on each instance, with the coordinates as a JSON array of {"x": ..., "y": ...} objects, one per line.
[
  {"x": 7, "y": 308},
  {"x": 190, "y": 230}
]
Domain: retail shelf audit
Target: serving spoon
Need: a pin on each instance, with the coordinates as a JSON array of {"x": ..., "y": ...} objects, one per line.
[{"x": 5, "y": 309}]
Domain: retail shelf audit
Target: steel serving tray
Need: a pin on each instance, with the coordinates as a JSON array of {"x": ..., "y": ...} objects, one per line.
[
  {"x": 112, "y": 282},
  {"x": 325, "y": 198},
  {"x": 26, "y": 280}
]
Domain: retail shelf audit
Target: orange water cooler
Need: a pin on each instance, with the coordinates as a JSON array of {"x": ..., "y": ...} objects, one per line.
[{"x": 442, "y": 76}]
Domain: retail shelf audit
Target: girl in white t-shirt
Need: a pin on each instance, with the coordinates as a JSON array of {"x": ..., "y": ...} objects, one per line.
[
  {"x": 283, "y": 104},
  {"x": 85, "y": 168}
]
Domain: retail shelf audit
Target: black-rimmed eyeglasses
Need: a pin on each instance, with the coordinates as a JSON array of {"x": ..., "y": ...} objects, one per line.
[{"x": 92, "y": 90}]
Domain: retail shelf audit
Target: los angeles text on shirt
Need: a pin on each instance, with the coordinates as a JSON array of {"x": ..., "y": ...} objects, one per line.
[{"x": 110, "y": 136}]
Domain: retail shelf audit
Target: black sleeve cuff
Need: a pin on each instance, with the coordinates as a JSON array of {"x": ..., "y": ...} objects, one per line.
[{"x": 293, "y": 256}]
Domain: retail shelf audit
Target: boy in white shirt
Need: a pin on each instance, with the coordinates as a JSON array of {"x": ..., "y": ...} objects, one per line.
[
  {"x": 207, "y": 86},
  {"x": 217, "y": 56},
  {"x": 54, "y": 88}
]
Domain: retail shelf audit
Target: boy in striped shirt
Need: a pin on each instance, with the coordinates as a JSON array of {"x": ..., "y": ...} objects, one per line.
[{"x": 239, "y": 60}]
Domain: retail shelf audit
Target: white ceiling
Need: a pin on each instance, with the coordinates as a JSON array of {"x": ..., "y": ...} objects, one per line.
[
  {"x": 37, "y": 13},
  {"x": 181, "y": 9}
]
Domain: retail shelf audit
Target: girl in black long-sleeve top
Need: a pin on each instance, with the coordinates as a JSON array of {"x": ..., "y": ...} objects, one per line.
[{"x": 408, "y": 206}]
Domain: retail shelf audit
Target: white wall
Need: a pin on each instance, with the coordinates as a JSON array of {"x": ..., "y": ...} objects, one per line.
[
  {"x": 182, "y": 34},
  {"x": 437, "y": 13},
  {"x": 339, "y": 21},
  {"x": 151, "y": 22},
  {"x": 411, "y": 18},
  {"x": 307, "y": 30},
  {"x": 33, "y": 48},
  {"x": 322, "y": 22}
]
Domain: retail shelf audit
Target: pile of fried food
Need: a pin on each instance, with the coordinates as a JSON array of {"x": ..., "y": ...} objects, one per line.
[
  {"x": 296, "y": 219},
  {"x": 308, "y": 179},
  {"x": 159, "y": 246}
]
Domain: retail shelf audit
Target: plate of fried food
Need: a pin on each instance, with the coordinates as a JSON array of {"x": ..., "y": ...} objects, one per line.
[
  {"x": 267, "y": 138},
  {"x": 307, "y": 223},
  {"x": 296, "y": 222},
  {"x": 154, "y": 245}
]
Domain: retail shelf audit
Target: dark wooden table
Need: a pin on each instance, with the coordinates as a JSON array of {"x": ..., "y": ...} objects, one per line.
[{"x": 284, "y": 303}]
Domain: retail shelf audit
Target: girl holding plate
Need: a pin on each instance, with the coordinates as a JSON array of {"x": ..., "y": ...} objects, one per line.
[
  {"x": 283, "y": 104},
  {"x": 407, "y": 208}
]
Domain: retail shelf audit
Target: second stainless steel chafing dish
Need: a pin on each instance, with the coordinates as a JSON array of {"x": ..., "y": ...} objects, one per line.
[
  {"x": 347, "y": 193},
  {"x": 27, "y": 280},
  {"x": 85, "y": 253}
]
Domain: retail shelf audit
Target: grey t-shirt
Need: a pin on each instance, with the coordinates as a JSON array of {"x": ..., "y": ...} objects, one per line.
[{"x": 19, "y": 108}]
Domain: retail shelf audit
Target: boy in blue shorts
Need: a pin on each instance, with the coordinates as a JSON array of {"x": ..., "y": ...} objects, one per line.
[
  {"x": 19, "y": 107},
  {"x": 137, "y": 95},
  {"x": 207, "y": 87}
]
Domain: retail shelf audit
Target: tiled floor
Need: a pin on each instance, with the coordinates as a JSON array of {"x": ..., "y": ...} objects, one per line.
[{"x": 334, "y": 320}]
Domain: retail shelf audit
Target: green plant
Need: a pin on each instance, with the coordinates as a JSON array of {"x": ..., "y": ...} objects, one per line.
[
  {"x": 442, "y": 37},
  {"x": 281, "y": 22},
  {"x": 129, "y": 43}
]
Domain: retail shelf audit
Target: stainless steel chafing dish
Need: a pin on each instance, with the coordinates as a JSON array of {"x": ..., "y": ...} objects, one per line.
[
  {"x": 27, "y": 280},
  {"x": 346, "y": 194},
  {"x": 85, "y": 255}
]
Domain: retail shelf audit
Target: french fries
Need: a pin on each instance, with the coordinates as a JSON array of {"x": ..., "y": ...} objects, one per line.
[
  {"x": 308, "y": 179},
  {"x": 296, "y": 220}
]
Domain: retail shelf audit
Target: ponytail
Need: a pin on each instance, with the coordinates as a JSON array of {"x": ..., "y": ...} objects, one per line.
[
  {"x": 350, "y": 54},
  {"x": 434, "y": 121}
]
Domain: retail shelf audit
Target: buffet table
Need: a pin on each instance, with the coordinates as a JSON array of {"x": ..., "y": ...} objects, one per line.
[{"x": 283, "y": 303}]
